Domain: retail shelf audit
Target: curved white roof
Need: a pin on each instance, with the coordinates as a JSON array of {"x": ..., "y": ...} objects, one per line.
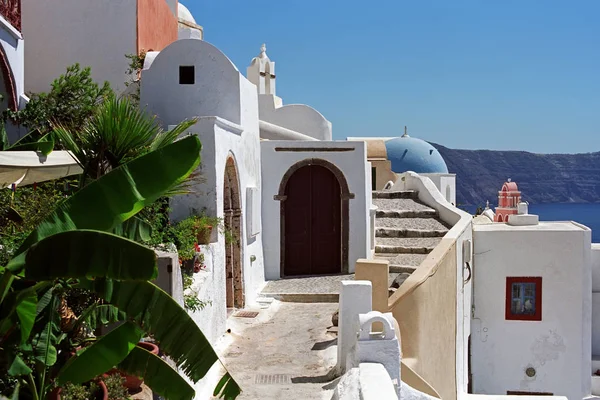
[{"x": 184, "y": 14}]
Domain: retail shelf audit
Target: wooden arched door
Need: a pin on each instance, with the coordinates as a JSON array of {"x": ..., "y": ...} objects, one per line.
[{"x": 312, "y": 223}]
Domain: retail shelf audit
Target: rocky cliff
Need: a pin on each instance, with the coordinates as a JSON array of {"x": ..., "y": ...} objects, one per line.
[{"x": 542, "y": 178}]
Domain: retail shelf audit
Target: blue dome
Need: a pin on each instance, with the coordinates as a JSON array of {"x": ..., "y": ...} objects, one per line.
[{"x": 411, "y": 154}]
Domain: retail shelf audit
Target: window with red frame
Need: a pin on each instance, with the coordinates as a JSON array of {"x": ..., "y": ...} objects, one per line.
[{"x": 524, "y": 298}]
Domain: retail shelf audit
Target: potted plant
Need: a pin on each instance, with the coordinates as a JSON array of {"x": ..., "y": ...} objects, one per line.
[
  {"x": 133, "y": 382},
  {"x": 94, "y": 390}
]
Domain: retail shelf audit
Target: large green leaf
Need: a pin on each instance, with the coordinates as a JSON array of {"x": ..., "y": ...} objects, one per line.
[
  {"x": 157, "y": 374},
  {"x": 100, "y": 314},
  {"x": 227, "y": 388},
  {"x": 44, "y": 350},
  {"x": 158, "y": 313},
  {"x": 18, "y": 367},
  {"x": 89, "y": 254},
  {"x": 26, "y": 311},
  {"x": 119, "y": 195},
  {"x": 44, "y": 146},
  {"x": 134, "y": 229},
  {"x": 24, "y": 304},
  {"x": 104, "y": 354}
]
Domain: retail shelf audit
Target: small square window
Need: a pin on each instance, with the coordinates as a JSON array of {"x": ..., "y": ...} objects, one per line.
[
  {"x": 187, "y": 75},
  {"x": 524, "y": 298}
]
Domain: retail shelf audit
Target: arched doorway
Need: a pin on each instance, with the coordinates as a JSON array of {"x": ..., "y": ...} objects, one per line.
[
  {"x": 232, "y": 210},
  {"x": 314, "y": 199}
]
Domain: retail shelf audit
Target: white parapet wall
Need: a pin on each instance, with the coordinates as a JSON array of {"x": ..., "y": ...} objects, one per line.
[{"x": 368, "y": 381}]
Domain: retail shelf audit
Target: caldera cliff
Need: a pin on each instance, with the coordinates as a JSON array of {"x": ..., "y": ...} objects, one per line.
[{"x": 542, "y": 178}]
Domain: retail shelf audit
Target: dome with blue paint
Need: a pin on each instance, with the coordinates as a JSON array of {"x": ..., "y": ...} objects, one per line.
[{"x": 412, "y": 154}]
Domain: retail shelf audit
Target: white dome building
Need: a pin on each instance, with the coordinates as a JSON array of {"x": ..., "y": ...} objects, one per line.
[{"x": 187, "y": 27}]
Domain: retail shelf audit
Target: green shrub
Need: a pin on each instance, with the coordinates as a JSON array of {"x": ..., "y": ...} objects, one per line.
[
  {"x": 116, "y": 389},
  {"x": 72, "y": 99}
]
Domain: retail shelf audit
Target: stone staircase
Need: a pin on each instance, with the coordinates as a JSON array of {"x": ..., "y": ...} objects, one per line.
[{"x": 406, "y": 230}]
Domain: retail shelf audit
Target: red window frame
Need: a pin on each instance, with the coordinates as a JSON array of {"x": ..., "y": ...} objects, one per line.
[{"x": 538, "y": 298}]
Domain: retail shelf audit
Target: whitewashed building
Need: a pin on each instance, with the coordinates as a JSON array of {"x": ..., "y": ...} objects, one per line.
[
  {"x": 12, "y": 88},
  {"x": 92, "y": 33},
  {"x": 532, "y": 309}
]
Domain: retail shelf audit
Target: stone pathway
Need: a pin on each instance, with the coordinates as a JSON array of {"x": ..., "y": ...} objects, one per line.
[
  {"x": 310, "y": 289},
  {"x": 284, "y": 353}
]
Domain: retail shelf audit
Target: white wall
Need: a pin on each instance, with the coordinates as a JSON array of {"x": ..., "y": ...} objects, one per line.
[
  {"x": 216, "y": 91},
  {"x": 446, "y": 184},
  {"x": 227, "y": 107},
  {"x": 12, "y": 43},
  {"x": 595, "y": 257},
  {"x": 61, "y": 33},
  {"x": 353, "y": 165},
  {"x": 559, "y": 346},
  {"x": 296, "y": 117}
]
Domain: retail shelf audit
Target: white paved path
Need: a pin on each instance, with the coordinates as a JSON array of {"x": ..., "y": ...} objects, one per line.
[{"x": 284, "y": 353}]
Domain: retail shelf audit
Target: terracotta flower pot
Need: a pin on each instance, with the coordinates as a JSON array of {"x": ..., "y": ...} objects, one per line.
[
  {"x": 204, "y": 235},
  {"x": 103, "y": 395},
  {"x": 133, "y": 383}
]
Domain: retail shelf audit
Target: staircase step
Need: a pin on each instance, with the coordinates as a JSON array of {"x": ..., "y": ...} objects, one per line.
[
  {"x": 403, "y": 194},
  {"x": 406, "y": 214},
  {"x": 408, "y": 233},
  {"x": 400, "y": 204},
  {"x": 406, "y": 245},
  {"x": 406, "y": 262},
  {"x": 411, "y": 223}
]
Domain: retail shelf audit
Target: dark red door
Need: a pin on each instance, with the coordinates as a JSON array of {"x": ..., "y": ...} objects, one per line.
[{"x": 312, "y": 223}]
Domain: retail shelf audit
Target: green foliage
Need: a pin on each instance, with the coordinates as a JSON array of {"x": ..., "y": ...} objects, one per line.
[
  {"x": 104, "y": 354},
  {"x": 187, "y": 230},
  {"x": 157, "y": 374},
  {"x": 117, "y": 133},
  {"x": 72, "y": 99},
  {"x": 115, "y": 386},
  {"x": 119, "y": 195},
  {"x": 80, "y": 392},
  {"x": 134, "y": 68},
  {"x": 34, "y": 352},
  {"x": 23, "y": 210}
]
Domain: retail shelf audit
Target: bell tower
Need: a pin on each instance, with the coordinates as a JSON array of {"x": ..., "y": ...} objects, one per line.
[{"x": 261, "y": 72}]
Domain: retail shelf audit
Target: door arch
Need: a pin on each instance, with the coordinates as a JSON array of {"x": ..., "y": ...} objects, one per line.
[
  {"x": 314, "y": 217},
  {"x": 232, "y": 211}
]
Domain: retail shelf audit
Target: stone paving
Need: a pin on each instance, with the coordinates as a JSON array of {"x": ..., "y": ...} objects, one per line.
[
  {"x": 309, "y": 289},
  {"x": 285, "y": 355}
]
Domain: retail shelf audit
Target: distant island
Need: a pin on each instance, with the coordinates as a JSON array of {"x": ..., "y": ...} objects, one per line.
[{"x": 542, "y": 178}]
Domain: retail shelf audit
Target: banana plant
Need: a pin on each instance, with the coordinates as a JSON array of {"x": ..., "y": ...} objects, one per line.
[
  {"x": 75, "y": 247},
  {"x": 44, "y": 144}
]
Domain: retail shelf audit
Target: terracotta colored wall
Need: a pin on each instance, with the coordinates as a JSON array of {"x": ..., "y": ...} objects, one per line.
[{"x": 156, "y": 25}]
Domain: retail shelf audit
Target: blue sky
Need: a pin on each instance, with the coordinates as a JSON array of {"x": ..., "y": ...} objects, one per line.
[{"x": 509, "y": 75}]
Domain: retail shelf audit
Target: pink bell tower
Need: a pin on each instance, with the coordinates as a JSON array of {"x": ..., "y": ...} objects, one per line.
[{"x": 508, "y": 200}]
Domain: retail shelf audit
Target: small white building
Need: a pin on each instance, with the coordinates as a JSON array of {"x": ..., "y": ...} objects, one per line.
[{"x": 531, "y": 325}]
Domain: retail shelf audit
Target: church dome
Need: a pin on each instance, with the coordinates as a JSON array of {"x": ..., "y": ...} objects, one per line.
[
  {"x": 411, "y": 154},
  {"x": 184, "y": 14}
]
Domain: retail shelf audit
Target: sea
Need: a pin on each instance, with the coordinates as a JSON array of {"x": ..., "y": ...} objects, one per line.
[{"x": 587, "y": 214}]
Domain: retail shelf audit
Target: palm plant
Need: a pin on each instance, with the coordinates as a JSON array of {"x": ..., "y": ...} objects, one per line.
[
  {"x": 75, "y": 247},
  {"x": 117, "y": 132}
]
